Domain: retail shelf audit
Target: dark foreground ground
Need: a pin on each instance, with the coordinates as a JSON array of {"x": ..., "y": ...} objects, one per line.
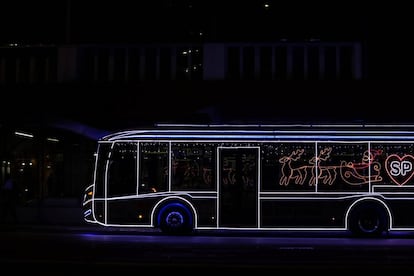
[{"x": 85, "y": 250}]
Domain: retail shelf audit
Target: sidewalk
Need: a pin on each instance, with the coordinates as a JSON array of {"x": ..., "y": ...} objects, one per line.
[
  {"x": 61, "y": 215},
  {"x": 83, "y": 229},
  {"x": 51, "y": 211}
]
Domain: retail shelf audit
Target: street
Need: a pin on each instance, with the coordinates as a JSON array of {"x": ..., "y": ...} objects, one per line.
[{"x": 90, "y": 252}]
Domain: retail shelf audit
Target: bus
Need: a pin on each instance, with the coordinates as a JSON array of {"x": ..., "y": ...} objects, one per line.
[{"x": 185, "y": 178}]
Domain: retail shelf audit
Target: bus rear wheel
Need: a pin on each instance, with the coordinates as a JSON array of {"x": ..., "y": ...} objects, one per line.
[
  {"x": 175, "y": 219},
  {"x": 368, "y": 220}
]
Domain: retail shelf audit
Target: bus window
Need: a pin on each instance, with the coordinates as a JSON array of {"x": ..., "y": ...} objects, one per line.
[
  {"x": 397, "y": 160},
  {"x": 153, "y": 167},
  {"x": 122, "y": 170},
  {"x": 192, "y": 166},
  {"x": 287, "y": 167},
  {"x": 100, "y": 167},
  {"x": 345, "y": 167}
]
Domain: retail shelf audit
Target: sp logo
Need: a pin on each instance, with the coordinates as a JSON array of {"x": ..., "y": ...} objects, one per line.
[{"x": 400, "y": 169}]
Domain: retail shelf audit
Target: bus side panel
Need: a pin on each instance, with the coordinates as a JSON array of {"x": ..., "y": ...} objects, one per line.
[
  {"x": 303, "y": 213},
  {"x": 206, "y": 212},
  {"x": 402, "y": 212},
  {"x": 131, "y": 211}
]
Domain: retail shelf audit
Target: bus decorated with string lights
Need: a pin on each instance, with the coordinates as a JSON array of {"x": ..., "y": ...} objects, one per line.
[{"x": 183, "y": 178}]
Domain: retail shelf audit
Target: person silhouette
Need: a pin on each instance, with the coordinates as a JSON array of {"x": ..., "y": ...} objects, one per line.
[{"x": 9, "y": 201}]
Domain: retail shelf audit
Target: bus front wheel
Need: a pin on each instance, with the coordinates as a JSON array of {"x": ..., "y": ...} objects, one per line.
[
  {"x": 368, "y": 220},
  {"x": 175, "y": 219}
]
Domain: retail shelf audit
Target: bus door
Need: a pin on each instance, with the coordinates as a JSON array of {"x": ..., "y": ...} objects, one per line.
[{"x": 238, "y": 173}]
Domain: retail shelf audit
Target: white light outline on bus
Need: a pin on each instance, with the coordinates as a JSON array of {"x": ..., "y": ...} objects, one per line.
[
  {"x": 269, "y": 137},
  {"x": 218, "y": 175},
  {"x": 180, "y": 198},
  {"x": 260, "y": 192},
  {"x": 390, "y": 223}
]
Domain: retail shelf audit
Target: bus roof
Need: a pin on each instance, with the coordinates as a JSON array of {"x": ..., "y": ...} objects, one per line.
[{"x": 308, "y": 132}]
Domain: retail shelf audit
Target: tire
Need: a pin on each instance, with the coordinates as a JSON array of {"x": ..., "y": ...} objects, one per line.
[
  {"x": 175, "y": 218},
  {"x": 368, "y": 220}
]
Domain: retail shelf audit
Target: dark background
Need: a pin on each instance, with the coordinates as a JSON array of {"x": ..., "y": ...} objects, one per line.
[
  {"x": 78, "y": 112},
  {"x": 383, "y": 95},
  {"x": 385, "y": 26}
]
